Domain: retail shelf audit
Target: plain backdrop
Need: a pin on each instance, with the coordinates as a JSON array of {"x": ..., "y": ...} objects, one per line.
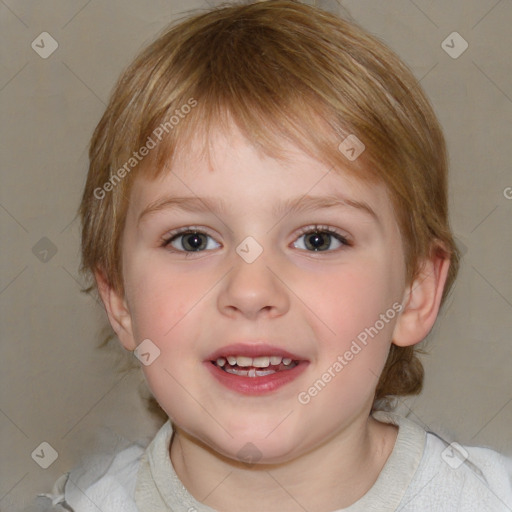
[{"x": 58, "y": 387}]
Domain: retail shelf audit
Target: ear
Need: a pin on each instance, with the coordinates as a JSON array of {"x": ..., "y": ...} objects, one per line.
[
  {"x": 117, "y": 311},
  {"x": 422, "y": 300}
]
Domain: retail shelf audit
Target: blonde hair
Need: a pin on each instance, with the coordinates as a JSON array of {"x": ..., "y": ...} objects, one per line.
[{"x": 277, "y": 69}]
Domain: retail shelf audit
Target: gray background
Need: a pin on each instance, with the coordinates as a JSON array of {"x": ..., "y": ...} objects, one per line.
[{"x": 57, "y": 387}]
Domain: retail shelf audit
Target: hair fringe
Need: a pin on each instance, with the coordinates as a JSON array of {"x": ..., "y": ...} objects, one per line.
[{"x": 347, "y": 77}]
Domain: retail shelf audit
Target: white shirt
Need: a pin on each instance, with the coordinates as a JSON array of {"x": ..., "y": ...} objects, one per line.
[{"x": 422, "y": 473}]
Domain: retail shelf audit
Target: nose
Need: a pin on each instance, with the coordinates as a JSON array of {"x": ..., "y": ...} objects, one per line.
[{"x": 252, "y": 290}]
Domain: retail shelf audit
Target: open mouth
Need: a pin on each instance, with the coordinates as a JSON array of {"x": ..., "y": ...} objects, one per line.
[{"x": 261, "y": 366}]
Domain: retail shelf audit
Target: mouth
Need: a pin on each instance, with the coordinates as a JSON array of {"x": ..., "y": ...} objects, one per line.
[
  {"x": 251, "y": 367},
  {"x": 254, "y": 369}
]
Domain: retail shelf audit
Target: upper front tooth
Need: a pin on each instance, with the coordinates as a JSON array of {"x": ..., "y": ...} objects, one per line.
[
  {"x": 261, "y": 362},
  {"x": 243, "y": 361}
]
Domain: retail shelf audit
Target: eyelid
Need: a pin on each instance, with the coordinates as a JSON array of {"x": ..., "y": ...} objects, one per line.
[
  {"x": 336, "y": 233},
  {"x": 167, "y": 238},
  {"x": 341, "y": 236}
]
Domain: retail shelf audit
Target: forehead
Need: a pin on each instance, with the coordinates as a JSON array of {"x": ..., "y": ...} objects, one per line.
[{"x": 229, "y": 170}]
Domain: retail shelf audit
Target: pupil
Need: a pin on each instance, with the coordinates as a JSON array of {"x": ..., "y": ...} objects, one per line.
[
  {"x": 193, "y": 241},
  {"x": 317, "y": 240}
]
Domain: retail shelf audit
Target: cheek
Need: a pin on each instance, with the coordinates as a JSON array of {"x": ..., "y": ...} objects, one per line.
[
  {"x": 165, "y": 308},
  {"x": 352, "y": 300},
  {"x": 161, "y": 299}
]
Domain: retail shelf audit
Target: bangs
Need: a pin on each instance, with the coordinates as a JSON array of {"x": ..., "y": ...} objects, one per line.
[
  {"x": 274, "y": 81},
  {"x": 267, "y": 125},
  {"x": 281, "y": 72}
]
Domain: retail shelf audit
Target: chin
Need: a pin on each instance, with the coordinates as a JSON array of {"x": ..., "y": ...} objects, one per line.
[{"x": 252, "y": 447}]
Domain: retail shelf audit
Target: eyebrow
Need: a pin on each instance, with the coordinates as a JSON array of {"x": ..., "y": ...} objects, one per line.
[{"x": 298, "y": 204}]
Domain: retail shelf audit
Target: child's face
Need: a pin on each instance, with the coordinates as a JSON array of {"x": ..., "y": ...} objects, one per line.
[{"x": 310, "y": 304}]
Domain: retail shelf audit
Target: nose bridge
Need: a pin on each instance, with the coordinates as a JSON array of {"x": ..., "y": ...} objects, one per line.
[{"x": 252, "y": 287}]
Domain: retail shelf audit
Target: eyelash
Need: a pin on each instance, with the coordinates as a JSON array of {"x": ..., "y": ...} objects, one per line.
[
  {"x": 317, "y": 228},
  {"x": 166, "y": 241}
]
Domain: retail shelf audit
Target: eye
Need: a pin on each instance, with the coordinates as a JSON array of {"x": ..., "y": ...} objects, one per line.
[
  {"x": 190, "y": 240},
  {"x": 321, "y": 238}
]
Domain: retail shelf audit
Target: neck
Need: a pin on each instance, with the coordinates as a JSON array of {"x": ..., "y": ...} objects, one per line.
[{"x": 338, "y": 472}]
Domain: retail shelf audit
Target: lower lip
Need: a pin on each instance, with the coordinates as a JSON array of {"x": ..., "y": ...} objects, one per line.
[{"x": 256, "y": 385}]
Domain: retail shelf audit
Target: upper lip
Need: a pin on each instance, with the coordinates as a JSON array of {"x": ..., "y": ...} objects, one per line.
[{"x": 252, "y": 350}]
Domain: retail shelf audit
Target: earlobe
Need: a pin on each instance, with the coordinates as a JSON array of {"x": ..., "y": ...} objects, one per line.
[
  {"x": 422, "y": 301},
  {"x": 117, "y": 311}
]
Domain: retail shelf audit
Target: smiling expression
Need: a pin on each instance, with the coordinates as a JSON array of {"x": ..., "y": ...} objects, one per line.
[{"x": 256, "y": 257}]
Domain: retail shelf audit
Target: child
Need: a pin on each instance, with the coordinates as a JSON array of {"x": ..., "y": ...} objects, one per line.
[{"x": 265, "y": 217}]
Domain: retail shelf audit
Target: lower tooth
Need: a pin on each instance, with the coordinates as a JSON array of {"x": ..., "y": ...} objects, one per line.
[{"x": 249, "y": 373}]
